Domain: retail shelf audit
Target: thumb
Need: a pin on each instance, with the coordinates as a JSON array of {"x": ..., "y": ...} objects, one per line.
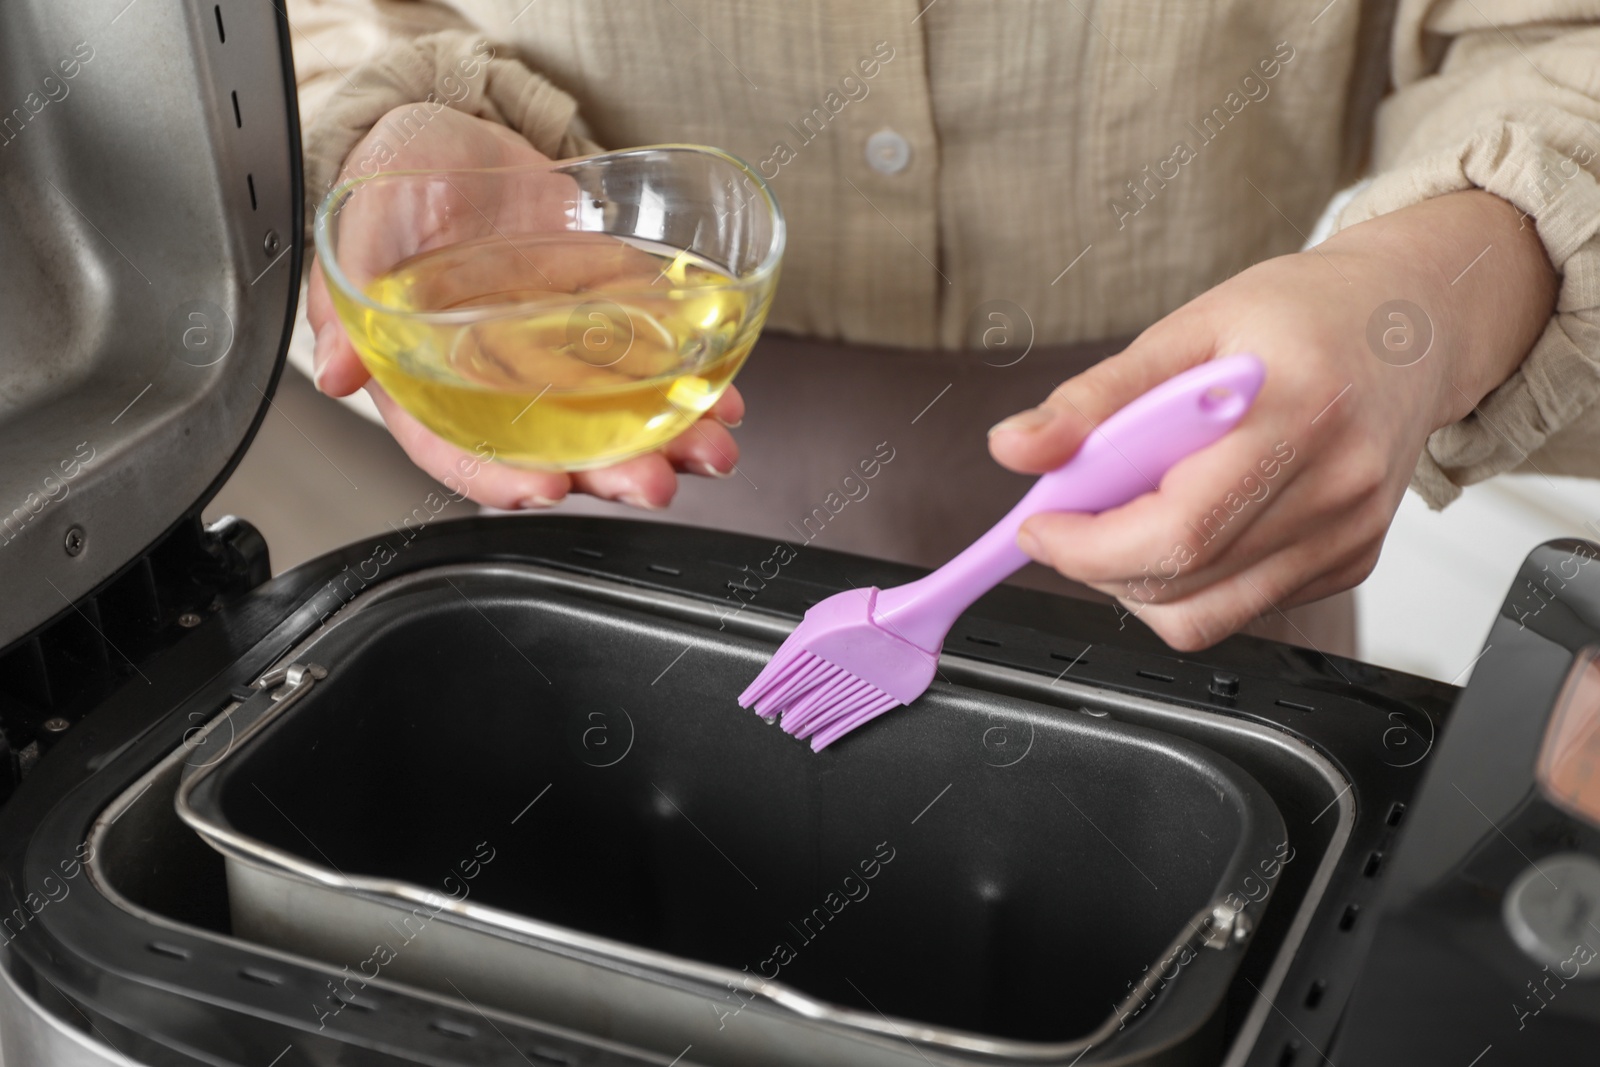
[
  {"x": 336, "y": 369},
  {"x": 1042, "y": 438}
]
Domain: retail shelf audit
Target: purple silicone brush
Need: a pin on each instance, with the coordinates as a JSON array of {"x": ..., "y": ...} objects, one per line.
[{"x": 861, "y": 652}]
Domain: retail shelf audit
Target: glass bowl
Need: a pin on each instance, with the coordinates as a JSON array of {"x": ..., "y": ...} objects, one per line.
[{"x": 566, "y": 315}]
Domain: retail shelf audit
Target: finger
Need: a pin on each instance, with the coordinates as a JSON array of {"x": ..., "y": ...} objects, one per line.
[
  {"x": 1269, "y": 587},
  {"x": 1344, "y": 502},
  {"x": 1341, "y": 530},
  {"x": 336, "y": 369},
  {"x": 1042, "y": 438},
  {"x": 1204, "y": 505},
  {"x": 1198, "y": 622},
  {"x": 1340, "y": 545},
  {"x": 706, "y": 447},
  {"x": 1348, "y": 524},
  {"x": 1348, "y": 576},
  {"x": 319, "y": 306},
  {"x": 729, "y": 408},
  {"x": 644, "y": 482},
  {"x": 465, "y": 473}
]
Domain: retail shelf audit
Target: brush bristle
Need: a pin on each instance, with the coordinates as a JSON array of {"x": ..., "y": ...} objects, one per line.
[{"x": 813, "y": 698}]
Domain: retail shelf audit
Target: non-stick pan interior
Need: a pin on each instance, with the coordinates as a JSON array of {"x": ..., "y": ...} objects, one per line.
[{"x": 588, "y": 766}]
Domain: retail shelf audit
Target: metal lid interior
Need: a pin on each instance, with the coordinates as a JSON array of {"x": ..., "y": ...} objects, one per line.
[{"x": 150, "y": 238}]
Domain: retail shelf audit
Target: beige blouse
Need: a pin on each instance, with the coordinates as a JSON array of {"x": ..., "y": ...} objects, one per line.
[{"x": 1096, "y": 163}]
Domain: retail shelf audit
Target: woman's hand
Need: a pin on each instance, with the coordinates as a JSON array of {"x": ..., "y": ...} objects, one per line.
[
  {"x": 1293, "y": 505},
  {"x": 451, "y": 139}
]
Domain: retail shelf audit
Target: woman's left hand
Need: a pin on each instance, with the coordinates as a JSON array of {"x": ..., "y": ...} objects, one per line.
[{"x": 1294, "y": 503}]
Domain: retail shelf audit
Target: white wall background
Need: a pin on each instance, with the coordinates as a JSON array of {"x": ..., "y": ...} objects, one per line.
[{"x": 1442, "y": 576}]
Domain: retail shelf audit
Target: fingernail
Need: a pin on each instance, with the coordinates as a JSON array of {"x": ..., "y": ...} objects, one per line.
[
  {"x": 712, "y": 472},
  {"x": 1031, "y": 545},
  {"x": 638, "y": 501},
  {"x": 532, "y": 502},
  {"x": 734, "y": 425},
  {"x": 320, "y": 351},
  {"x": 1029, "y": 421}
]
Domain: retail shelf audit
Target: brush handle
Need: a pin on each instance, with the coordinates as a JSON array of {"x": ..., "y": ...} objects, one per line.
[{"x": 1124, "y": 457}]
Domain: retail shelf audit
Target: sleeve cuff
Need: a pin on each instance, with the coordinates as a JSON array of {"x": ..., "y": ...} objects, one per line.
[{"x": 445, "y": 69}]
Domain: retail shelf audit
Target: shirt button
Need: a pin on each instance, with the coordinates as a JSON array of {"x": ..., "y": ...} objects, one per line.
[{"x": 888, "y": 152}]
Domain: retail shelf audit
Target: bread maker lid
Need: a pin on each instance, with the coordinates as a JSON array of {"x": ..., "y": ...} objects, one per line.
[{"x": 150, "y": 247}]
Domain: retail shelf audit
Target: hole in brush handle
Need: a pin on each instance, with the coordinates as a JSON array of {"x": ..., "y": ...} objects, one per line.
[{"x": 1223, "y": 403}]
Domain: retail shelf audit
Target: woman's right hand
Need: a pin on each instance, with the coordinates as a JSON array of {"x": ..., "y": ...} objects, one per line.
[{"x": 412, "y": 137}]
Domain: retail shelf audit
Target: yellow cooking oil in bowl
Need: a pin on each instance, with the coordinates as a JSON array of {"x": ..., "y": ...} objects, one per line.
[{"x": 567, "y": 316}]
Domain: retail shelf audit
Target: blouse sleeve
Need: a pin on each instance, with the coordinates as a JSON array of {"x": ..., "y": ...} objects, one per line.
[
  {"x": 356, "y": 60},
  {"x": 1504, "y": 96}
]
